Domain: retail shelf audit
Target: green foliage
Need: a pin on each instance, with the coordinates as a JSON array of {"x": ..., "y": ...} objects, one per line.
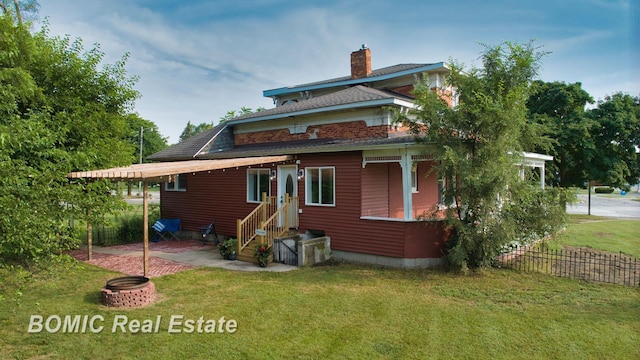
[
  {"x": 263, "y": 252},
  {"x": 603, "y": 190},
  {"x": 558, "y": 109},
  {"x": 58, "y": 113},
  {"x": 191, "y": 130},
  {"x": 616, "y": 135},
  {"x": 152, "y": 140},
  {"x": 532, "y": 213},
  {"x": 235, "y": 113},
  {"x": 598, "y": 144},
  {"x": 228, "y": 247},
  {"x": 477, "y": 144}
]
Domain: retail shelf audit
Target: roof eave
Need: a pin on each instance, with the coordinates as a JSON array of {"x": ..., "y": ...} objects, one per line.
[{"x": 351, "y": 82}]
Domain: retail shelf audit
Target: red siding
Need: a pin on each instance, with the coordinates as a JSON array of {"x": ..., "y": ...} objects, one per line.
[
  {"x": 343, "y": 224},
  {"x": 426, "y": 199},
  {"x": 222, "y": 195},
  {"x": 396, "y": 197},
  {"x": 219, "y": 194},
  {"x": 375, "y": 190}
]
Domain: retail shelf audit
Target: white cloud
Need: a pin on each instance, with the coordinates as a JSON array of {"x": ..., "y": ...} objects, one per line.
[{"x": 199, "y": 59}]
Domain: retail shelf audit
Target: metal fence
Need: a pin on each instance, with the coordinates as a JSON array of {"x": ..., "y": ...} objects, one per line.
[
  {"x": 577, "y": 263},
  {"x": 104, "y": 236}
]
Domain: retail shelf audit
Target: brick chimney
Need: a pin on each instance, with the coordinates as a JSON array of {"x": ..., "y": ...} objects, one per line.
[{"x": 361, "y": 63}]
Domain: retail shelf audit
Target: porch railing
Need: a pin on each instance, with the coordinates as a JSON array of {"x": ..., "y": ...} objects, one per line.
[
  {"x": 246, "y": 228},
  {"x": 267, "y": 222}
]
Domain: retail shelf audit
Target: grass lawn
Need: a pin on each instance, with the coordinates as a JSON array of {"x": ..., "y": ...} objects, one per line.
[
  {"x": 602, "y": 234},
  {"x": 334, "y": 312}
]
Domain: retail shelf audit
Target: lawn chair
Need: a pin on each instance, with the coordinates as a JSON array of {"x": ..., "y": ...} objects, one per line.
[
  {"x": 207, "y": 230},
  {"x": 166, "y": 229}
]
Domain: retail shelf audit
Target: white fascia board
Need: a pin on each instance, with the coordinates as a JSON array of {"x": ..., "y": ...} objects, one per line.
[
  {"x": 287, "y": 90},
  {"x": 536, "y": 156},
  {"x": 363, "y": 104}
]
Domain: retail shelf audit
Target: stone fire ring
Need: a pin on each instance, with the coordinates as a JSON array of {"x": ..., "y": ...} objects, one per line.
[{"x": 128, "y": 291}]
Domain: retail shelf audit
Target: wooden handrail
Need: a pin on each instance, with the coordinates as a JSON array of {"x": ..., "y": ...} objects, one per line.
[
  {"x": 246, "y": 227},
  {"x": 280, "y": 222},
  {"x": 274, "y": 221}
]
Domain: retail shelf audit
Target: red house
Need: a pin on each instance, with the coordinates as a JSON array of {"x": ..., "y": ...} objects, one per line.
[{"x": 344, "y": 170}]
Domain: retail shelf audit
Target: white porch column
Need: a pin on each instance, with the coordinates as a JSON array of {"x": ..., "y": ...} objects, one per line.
[
  {"x": 542, "y": 172},
  {"x": 407, "y": 195}
]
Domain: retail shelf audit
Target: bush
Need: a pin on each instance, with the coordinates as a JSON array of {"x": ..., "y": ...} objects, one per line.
[
  {"x": 603, "y": 190},
  {"x": 123, "y": 229}
]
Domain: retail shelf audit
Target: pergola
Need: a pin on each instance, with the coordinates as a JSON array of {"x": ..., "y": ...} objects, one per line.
[{"x": 163, "y": 172}]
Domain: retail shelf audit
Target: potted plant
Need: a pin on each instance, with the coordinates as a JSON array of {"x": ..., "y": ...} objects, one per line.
[
  {"x": 229, "y": 249},
  {"x": 232, "y": 245},
  {"x": 263, "y": 254}
]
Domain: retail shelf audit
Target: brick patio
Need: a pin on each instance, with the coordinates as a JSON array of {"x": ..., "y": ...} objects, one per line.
[{"x": 127, "y": 258}]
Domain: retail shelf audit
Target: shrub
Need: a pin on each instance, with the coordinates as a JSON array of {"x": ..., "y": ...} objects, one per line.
[{"x": 603, "y": 190}]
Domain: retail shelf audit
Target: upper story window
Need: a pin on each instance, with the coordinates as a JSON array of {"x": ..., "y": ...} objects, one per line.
[
  {"x": 178, "y": 184},
  {"x": 257, "y": 183},
  {"x": 320, "y": 186}
]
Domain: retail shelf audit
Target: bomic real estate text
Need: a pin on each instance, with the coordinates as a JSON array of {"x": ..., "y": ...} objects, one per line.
[{"x": 121, "y": 323}]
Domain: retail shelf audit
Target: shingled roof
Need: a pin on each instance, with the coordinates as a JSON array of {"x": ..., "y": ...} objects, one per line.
[
  {"x": 375, "y": 75},
  {"x": 357, "y": 94},
  {"x": 218, "y": 138}
]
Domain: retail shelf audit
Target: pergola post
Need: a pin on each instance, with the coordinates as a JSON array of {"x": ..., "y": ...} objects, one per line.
[
  {"x": 145, "y": 224},
  {"x": 89, "y": 236}
]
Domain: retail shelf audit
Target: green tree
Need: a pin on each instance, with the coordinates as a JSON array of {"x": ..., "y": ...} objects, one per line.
[
  {"x": 614, "y": 158},
  {"x": 20, "y": 10},
  {"x": 235, "y": 113},
  {"x": 478, "y": 143},
  {"x": 559, "y": 109},
  {"x": 58, "y": 113},
  {"x": 152, "y": 140},
  {"x": 191, "y": 130}
]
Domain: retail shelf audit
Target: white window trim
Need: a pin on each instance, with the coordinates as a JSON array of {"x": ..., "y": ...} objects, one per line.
[
  {"x": 308, "y": 188},
  {"x": 258, "y": 171},
  {"x": 175, "y": 183}
]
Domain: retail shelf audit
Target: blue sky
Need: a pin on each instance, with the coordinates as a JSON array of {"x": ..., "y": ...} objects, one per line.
[{"x": 199, "y": 59}]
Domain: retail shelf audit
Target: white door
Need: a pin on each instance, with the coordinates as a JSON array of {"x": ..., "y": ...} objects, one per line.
[{"x": 287, "y": 184}]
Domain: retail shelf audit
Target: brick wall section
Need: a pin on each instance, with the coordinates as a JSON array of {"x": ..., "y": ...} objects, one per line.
[
  {"x": 129, "y": 298},
  {"x": 348, "y": 130},
  {"x": 406, "y": 90}
]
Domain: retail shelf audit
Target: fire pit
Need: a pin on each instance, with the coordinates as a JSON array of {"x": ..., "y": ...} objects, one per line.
[{"x": 128, "y": 291}]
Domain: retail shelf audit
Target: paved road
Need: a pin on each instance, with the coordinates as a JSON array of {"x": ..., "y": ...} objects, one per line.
[
  {"x": 154, "y": 199},
  {"x": 611, "y": 205}
]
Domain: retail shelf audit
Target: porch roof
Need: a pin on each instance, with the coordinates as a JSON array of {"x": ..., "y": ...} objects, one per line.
[{"x": 166, "y": 170}]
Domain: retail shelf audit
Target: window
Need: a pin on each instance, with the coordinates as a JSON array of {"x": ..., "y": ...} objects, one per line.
[
  {"x": 441, "y": 187},
  {"x": 178, "y": 184},
  {"x": 320, "y": 186},
  {"x": 414, "y": 178},
  {"x": 257, "y": 183}
]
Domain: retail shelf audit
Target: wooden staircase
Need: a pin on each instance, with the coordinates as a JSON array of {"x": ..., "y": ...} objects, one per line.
[
  {"x": 246, "y": 254},
  {"x": 264, "y": 224}
]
